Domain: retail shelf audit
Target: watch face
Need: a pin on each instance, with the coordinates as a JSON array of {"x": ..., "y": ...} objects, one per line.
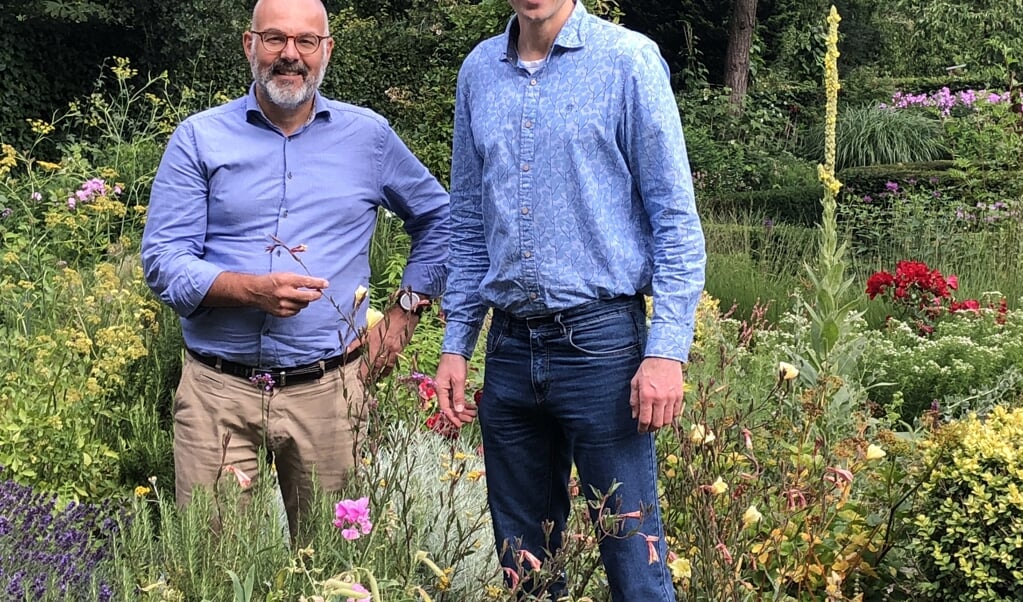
[{"x": 409, "y": 300}]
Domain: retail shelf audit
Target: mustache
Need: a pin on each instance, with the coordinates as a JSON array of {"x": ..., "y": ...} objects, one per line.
[{"x": 284, "y": 66}]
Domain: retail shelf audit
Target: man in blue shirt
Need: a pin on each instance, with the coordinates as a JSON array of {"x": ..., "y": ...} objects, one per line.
[
  {"x": 571, "y": 198},
  {"x": 258, "y": 236}
]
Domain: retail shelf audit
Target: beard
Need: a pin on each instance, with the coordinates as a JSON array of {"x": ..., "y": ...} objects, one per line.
[{"x": 287, "y": 95}]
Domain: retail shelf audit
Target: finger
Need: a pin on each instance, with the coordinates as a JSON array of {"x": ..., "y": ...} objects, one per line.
[
  {"x": 634, "y": 400},
  {"x": 646, "y": 414}
]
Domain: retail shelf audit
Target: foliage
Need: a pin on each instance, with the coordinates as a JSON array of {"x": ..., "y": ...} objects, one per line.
[
  {"x": 791, "y": 205},
  {"x": 869, "y": 135},
  {"x": 969, "y": 362},
  {"x": 968, "y": 538}
]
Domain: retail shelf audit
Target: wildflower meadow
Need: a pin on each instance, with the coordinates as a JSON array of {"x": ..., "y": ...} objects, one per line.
[{"x": 851, "y": 414}]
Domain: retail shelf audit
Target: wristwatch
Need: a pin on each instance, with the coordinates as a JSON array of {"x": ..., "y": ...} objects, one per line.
[{"x": 413, "y": 302}]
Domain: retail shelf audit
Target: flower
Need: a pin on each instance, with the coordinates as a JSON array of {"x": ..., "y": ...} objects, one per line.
[
  {"x": 244, "y": 481},
  {"x": 36, "y": 196},
  {"x": 717, "y": 487},
  {"x": 701, "y": 435},
  {"x": 681, "y": 569},
  {"x": 874, "y": 452},
  {"x": 751, "y": 516},
  {"x": 352, "y": 517},
  {"x": 440, "y": 424},
  {"x": 360, "y": 295},
  {"x": 372, "y": 317},
  {"x": 263, "y": 381},
  {"x": 357, "y": 587},
  {"x": 787, "y": 371},
  {"x": 141, "y": 491}
]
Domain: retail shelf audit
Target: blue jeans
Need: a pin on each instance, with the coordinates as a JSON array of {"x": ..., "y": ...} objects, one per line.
[{"x": 556, "y": 391}]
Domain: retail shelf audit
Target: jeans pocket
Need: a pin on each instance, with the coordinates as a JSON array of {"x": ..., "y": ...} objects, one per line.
[
  {"x": 496, "y": 335},
  {"x": 609, "y": 335}
]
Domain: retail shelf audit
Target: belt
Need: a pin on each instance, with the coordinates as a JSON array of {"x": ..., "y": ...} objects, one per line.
[
  {"x": 572, "y": 312},
  {"x": 281, "y": 376}
]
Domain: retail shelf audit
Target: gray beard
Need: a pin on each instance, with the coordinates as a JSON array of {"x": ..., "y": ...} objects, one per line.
[{"x": 286, "y": 96}]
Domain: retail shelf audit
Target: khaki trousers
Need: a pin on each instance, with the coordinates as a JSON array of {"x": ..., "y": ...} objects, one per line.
[{"x": 308, "y": 428}]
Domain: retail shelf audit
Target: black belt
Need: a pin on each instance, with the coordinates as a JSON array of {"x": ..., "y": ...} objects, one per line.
[{"x": 281, "y": 376}]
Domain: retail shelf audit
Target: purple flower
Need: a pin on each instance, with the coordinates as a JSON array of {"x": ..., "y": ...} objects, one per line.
[
  {"x": 6, "y": 212},
  {"x": 71, "y": 203},
  {"x": 891, "y": 186},
  {"x": 36, "y": 196},
  {"x": 263, "y": 381},
  {"x": 868, "y": 199}
]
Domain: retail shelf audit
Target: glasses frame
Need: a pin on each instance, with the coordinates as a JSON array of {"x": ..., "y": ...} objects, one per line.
[{"x": 287, "y": 38}]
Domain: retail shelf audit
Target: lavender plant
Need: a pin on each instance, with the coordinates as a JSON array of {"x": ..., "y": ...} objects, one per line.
[{"x": 49, "y": 553}]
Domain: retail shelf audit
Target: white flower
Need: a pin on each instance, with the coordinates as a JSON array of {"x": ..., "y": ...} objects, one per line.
[{"x": 787, "y": 371}]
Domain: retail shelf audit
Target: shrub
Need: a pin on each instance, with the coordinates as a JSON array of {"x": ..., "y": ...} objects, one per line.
[
  {"x": 868, "y": 135},
  {"x": 968, "y": 534}
]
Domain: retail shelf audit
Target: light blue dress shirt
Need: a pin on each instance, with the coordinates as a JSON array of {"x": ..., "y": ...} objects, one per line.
[
  {"x": 571, "y": 184},
  {"x": 229, "y": 179}
]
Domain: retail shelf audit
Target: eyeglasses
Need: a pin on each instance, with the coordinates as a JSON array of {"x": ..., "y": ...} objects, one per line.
[{"x": 275, "y": 41}]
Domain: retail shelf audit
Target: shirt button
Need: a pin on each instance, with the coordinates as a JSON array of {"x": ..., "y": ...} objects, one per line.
[
  {"x": 525, "y": 167},
  {"x": 525, "y": 210},
  {"x": 528, "y": 124},
  {"x": 533, "y": 82},
  {"x": 289, "y": 175},
  {"x": 532, "y": 296},
  {"x": 527, "y": 254}
]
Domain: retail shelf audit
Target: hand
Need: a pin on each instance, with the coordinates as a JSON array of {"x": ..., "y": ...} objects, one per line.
[
  {"x": 450, "y": 385},
  {"x": 657, "y": 390},
  {"x": 385, "y": 342},
  {"x": 282, "y": 294}
]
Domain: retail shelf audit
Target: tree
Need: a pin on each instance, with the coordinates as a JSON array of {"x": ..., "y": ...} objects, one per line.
[{"x": 737, "y": 57}]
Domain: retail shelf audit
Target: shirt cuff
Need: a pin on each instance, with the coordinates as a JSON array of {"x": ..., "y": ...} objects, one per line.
[
  {"x": 428, "y": 279},
  {"x": 460, "y": 338},
  {"x": 669, "y": 342}
]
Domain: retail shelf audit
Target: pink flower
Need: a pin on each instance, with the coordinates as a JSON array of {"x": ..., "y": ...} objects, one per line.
[
  {"x": 527, "y": 557},
  {"x": 652, "y": 555},
  {"x": 244, "y": 481},
  {"x": 952, "y": 281},
  {"x": 352, "y": 517},
  {"x": 357, "y": 587}
]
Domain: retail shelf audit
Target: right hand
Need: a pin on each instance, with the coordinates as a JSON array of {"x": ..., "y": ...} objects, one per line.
[
  {"x": 450, "y": 384},
  {"x": 284, "y": 294}
]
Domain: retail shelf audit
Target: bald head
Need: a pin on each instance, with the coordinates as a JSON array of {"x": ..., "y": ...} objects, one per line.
[{"x": 270, "y": 11}]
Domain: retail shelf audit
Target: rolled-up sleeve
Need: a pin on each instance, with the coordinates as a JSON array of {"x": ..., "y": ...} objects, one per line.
[
  {"x": 173, "y": 240},
  {"x": 412, "y": 193}
]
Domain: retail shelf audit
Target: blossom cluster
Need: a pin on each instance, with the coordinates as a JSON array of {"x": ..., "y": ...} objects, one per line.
[
  {"x": 924, "y": 293},
  {"x": 46, "y": 552},
  {"x": 944, "y": 100},
  {"x": 91, "y": 190},
  {"x": 352, "y": 517}
]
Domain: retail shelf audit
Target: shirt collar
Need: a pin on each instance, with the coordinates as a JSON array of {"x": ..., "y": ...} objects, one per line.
[
  {"x": 571, "y": 35},
  {"x": 253, "y": 110}
]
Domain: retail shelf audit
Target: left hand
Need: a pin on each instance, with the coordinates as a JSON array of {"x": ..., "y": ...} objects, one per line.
[
  {"x": 657, "y": 390},
  {"x": 385, "y": 342}
]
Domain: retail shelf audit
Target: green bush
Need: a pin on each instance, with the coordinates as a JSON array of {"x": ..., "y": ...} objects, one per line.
[
  {"x": 968, "y": 362},
  {"x": 968, "y": 534},
  {"x": 796, "y": 205},
  {"x": 869, "y": 135}
]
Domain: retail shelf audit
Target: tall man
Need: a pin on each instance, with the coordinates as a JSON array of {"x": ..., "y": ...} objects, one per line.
[
  {"x": 258, "y": 237},
  {"x": 571, "y": 197}
]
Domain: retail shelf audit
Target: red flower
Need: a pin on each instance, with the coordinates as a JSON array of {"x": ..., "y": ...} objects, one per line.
[
  {"x": 878, "y": 283},
  {"x": 440, "y": 424}
]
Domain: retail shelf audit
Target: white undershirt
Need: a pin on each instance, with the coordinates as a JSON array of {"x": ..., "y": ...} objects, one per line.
[{"x": 532, "y": 66}]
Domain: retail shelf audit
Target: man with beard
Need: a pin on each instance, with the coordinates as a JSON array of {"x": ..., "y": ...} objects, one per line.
[{"x": 258, "y": 236}]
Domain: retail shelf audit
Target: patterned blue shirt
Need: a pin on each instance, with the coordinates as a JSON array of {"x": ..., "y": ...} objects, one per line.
[
  {"x": 571, "y": 185},
  {"x": 229, "y": 179}
]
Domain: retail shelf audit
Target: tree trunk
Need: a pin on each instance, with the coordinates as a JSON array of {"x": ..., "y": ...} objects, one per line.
[{"x": 737, "y": 59}]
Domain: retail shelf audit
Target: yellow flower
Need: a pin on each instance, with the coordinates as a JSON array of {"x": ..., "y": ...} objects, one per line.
[
  {"x": 48, "y": 166},
  {"x": 874, "y": 452},
  {"x": 681, "y": 569},
  {"x": 372, "y": 317},
  {"x": 701, "y": 435},
  {"x": 141, "y": 491},
  {"x": 751, "y": 516},
  {"x": 787, "y": 371},
  {"x": 719, "y": 486}
]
